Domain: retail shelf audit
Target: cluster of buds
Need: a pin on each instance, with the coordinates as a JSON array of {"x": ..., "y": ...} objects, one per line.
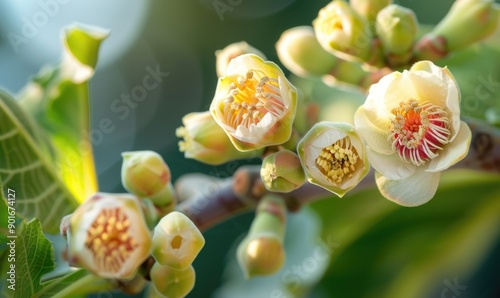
[{"x": 355, "y": 42}]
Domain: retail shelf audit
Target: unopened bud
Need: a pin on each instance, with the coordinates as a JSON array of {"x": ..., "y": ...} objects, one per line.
[
  {"x": 343, "y": 32},
  {"x": 369, "y": 8},
  {"x": 262, "y": 252},
  {"x": 205, "y": 141},
  {"x": 224, "y": 56},
  {"x": 467, "y": 22},
  {"x": 144, "y": 173},
  {"x": 176, "y": 241},
  {"x": 282, "y": 171},
  {"x": 108, "y": 236},
  {"x": 397, "y": 28},
  {"x": 334, "y": 156},
  {"x": 171, "y": 283},
  {"x": 300, "y": 52}
]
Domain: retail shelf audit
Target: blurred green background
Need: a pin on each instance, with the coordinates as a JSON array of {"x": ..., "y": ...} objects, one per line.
[{"x": 381, "y": 250}]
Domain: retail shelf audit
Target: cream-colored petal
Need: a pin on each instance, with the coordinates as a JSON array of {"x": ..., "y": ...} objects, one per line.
[
  {"x": 453, "y": 152},
  {"x": 390, "y": 166},
  {"x": 413, "y": 191},
  {"x": 400, "y": 90},
  {"x": 375, "y": 137}
]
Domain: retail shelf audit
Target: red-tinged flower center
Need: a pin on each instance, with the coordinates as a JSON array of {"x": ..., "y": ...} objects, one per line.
[
  {"x": 418, "y": 131},
  {"x": 250, "y": 98},
  {"x": 109, "y": 240}
]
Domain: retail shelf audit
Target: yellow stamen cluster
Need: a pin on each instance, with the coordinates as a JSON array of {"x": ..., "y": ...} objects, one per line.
[
  {"x": 338, "y": 161},
  {"x": 109, "y": 240},
  {"x": 251, "y": 97}
]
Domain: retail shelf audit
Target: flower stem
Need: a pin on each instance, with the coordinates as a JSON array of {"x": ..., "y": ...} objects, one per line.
[{"x": 83, "y": 286}]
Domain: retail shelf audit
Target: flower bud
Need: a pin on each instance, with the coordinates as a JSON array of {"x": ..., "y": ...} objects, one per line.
[
  {"x": 262, "y": 252},
  {"x": 172, "y": 283},
  {"x": 108, "y": 236},
  {"x": 224, "y": 56},
  {"x": 467, "y": 22},
  {"x": 144, "y": 173},
  {"x": 397, "y": 28},
  {"x": 176, "y": 241},
  {"x": 205, "y": 141},
  {"x": 333, "y": 157},
  {"x": 282, "y": 171},
  {"x": 343, "y": 32},
  {"x": 369, "y": 8},
  {"x": 254, "y": 103},
  {"x": 300, "y": 52}
]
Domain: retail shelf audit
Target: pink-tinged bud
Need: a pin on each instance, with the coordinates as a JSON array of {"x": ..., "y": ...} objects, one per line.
[
  {"x": 205, "y": 141},
  {"x": 282, "y": 171},
  {"x": 176, "y": 241},
  {"x": 254, "y": 103},
  {"x": 109, "y": 236},
  {"x": 171, "y": 283},
  {"x": 333, "y": 156},
  {"x": 224, "y": 56}
]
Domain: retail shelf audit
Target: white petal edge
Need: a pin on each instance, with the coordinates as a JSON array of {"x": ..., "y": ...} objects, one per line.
[
  {"x": 375, "y": 137},
  {"x": 413, "y": 191},
  {"x": 454, "y": 151},
  {"x": 391, "y": 166}
]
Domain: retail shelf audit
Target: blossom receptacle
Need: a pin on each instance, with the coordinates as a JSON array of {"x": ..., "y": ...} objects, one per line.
[
  {"x": 171, "y": 283},
  {"x": 343, "y": 32},
  {"x": 262, "y": 251},
  {"x": 206, "y": 141},
  {"x": 300, "y": 52},
  {"x": 144, "y": 173},
  {"x": 254, "y": 103},
  {"x": 176, "y": 241},
  {"x": 282, "y": 171},
  {"x": 108, "y": 236},
  {"x": 224, "y": 56},
  {"x": 411, "y": 124},
  {"x": 369, "y": 8},
  {"x": 397, "y": 28},
  {"x": 333, "y": 156}
]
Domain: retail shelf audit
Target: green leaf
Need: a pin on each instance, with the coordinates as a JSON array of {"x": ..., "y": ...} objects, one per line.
[
  {"x": 58, "y": 99},
  {"x": 75, "y": 285},
  {"x": 27, "y": 170},
  {"x": 33, "y": 258},
  {"x": 391, "y": 251}
]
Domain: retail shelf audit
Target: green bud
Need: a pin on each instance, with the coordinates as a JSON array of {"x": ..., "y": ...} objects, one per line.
[
  {"x": 262, "y": 252},
  {"x": 397, "y": 28},
  {"x": 205, "y": 141},
  {"x": 333, "y": 156},
  {"x": 108, "y": 236},
  {"x": 467, "y": 22},
  {"x": 224, "y": 56},
  {"x": 369, "y": 8},
  {"x": 282, "y": 171},
  {"x": 300, "y": 52},
  {"x": 342, "y": 31},
  {"x": 176, "y": 241},
  {"x": 172, "y": 283},
  {"x": 144, "y": 173}
]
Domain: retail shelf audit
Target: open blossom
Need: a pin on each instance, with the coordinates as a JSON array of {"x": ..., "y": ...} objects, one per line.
[
  {"x": 411, "y": 124},
  {"x": 254, "y": 103},
  {"x": 109, "y": 236},
  {"x": 333, "y": 156}
]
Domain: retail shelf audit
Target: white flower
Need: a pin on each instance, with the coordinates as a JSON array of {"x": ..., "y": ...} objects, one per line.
[
  {"x": 333, "y": 156},
  {"x": 411, "y": 124},
  {"x": 109, "y": 236},
  {"x": 254, "y": 103}
]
